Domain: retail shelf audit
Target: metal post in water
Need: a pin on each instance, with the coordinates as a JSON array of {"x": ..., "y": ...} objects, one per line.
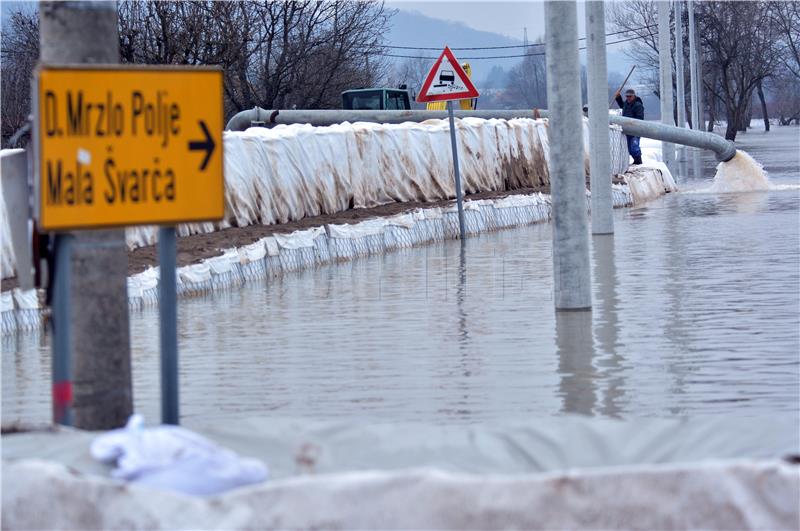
[
  {"x": 167, "y": 307},
  {"x": 679, "y": 66},
  {"x": 459, "y": 198},
  {"x": 693, "y": 69},
  {"x": 599, "y": 143},
  {"x": 665, "y": 69},
  {"x": 572, "y": 284},
  {"x": 62, "y": 332}
]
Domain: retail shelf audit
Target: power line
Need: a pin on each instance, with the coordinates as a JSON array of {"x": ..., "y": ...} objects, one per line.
[
  {"x": 507, "y": 47},
  {"x": 496, "y": 56}
]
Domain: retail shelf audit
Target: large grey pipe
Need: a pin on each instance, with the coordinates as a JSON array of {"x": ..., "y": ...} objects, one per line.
[{"x": 724, "y": 149}]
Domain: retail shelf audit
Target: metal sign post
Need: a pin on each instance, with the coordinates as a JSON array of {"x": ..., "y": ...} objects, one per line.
[
  {"x": 459, "y": 198},
  {"x": 168, "y": 314},
  {"x": 447, "y": 81},
  {"x": 62, "y": 373}
]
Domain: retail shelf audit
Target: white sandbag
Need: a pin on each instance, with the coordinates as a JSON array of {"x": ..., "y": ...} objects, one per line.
[
  {"x": 225, "y": 270},
  {"x": 7, "y": 314},
  {"x": 649, "y": 181},
  {"x": 28, "y": 312},
  {"x": 299, "y": 250},
  {"x": 194, "y": 279},
  {"x": 252, "y": 259}
]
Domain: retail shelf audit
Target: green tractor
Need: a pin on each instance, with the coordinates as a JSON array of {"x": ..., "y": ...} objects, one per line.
[{"x": 376, "y": 99}]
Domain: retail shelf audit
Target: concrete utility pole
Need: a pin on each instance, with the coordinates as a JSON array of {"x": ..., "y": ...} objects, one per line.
[
  {"x": 679, "y": 63},
  {"x": 572, "y": 282},
  {"x": 86, "y": 32},
  {"x": 599, "y": 143},
  {"x": 665, "y": 64},
  {"x": 701, "y": 110},
  {"x": 693, "y": 68}
]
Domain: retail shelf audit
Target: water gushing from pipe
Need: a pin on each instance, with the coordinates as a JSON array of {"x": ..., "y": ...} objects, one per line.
[{"x": 740, "y": 174}]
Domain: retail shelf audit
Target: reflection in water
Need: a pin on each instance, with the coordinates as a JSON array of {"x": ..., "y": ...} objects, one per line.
[
  {"x": 751, "y": 203},
  {"x": 461, "y": 293},
  {"x": 575, "y": 362},
  {"x": 682, "y": 165},
  {"x": 675, "y": 245},
  {"x": 697, "y": 167},
  {"x": 605, "y": 280},
  {"x": 468, "y": 365},
  {"x": 606, "y": 323}
]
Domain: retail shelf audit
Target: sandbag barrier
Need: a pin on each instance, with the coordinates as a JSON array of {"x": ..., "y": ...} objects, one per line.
[
  {"x": 276, "y": 255},
  {"x": 20, "y": 311},
  {"x": 288, "y": 173},
  {"x": 711, "y": 494}
]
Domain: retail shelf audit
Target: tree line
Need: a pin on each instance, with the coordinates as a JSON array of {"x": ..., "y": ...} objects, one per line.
[
  {"x": 277, "y": 55},
  {"x": 746, "y": 49}
]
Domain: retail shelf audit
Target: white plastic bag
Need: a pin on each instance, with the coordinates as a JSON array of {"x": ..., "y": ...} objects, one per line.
[{"x": 174, "y": 458}]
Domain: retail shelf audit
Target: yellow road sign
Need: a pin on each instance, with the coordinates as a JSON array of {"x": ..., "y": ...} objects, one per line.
[{"x": 120, "y": 145}]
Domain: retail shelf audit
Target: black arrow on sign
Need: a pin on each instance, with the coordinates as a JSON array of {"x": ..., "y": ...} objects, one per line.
[{"x": 206, "y": 145}]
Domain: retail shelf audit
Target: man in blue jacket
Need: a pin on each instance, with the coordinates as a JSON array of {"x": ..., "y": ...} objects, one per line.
[{"x": 632, "y": 107}]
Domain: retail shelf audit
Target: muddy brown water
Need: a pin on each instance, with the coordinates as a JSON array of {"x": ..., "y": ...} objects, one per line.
[{"x": 696, "y": 312}]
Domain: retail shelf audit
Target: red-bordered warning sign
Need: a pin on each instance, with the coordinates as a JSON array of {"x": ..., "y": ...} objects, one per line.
[{"x": 447, "y": 81}]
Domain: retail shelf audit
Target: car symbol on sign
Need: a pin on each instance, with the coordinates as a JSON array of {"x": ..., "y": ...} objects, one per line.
[{"x": 446, "y": 77}]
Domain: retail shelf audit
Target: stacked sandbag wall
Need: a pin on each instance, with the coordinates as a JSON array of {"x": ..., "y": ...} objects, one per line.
[{"x": 292, "y": 172}]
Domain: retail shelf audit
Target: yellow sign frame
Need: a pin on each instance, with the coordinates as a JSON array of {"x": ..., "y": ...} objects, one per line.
[{"x": 122, "y": 145}]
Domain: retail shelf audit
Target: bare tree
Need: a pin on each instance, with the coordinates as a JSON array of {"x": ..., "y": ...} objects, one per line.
[
  {"x": 300, "y": 53},
  {"x": 410, "y": 72},
  {"x": 639, "y": 20},
  {"x": 785, "y": 17},
  {"x": 740, "y": 44},
  {"x": 786, "y": 98},
  {"x": 309, "y": 52},
  {"x": 18, "y": 56},
  {"x": 527, "y": 81}
]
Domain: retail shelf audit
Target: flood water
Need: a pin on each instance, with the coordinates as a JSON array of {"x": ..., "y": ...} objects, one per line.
[{"x": 696, "y": 312}]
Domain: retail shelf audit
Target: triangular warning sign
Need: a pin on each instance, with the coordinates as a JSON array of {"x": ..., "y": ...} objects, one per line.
[{"x": 447, "y": 81}]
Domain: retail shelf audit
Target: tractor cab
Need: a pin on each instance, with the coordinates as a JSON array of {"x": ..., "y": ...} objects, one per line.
[{"x": 376, "y": 99}]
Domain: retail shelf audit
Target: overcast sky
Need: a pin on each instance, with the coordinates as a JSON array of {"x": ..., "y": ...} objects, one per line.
[{"x": 506, "y": 18}]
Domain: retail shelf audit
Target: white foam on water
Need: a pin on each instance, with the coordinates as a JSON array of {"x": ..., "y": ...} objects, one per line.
[{"x": 740, "y": 174}]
